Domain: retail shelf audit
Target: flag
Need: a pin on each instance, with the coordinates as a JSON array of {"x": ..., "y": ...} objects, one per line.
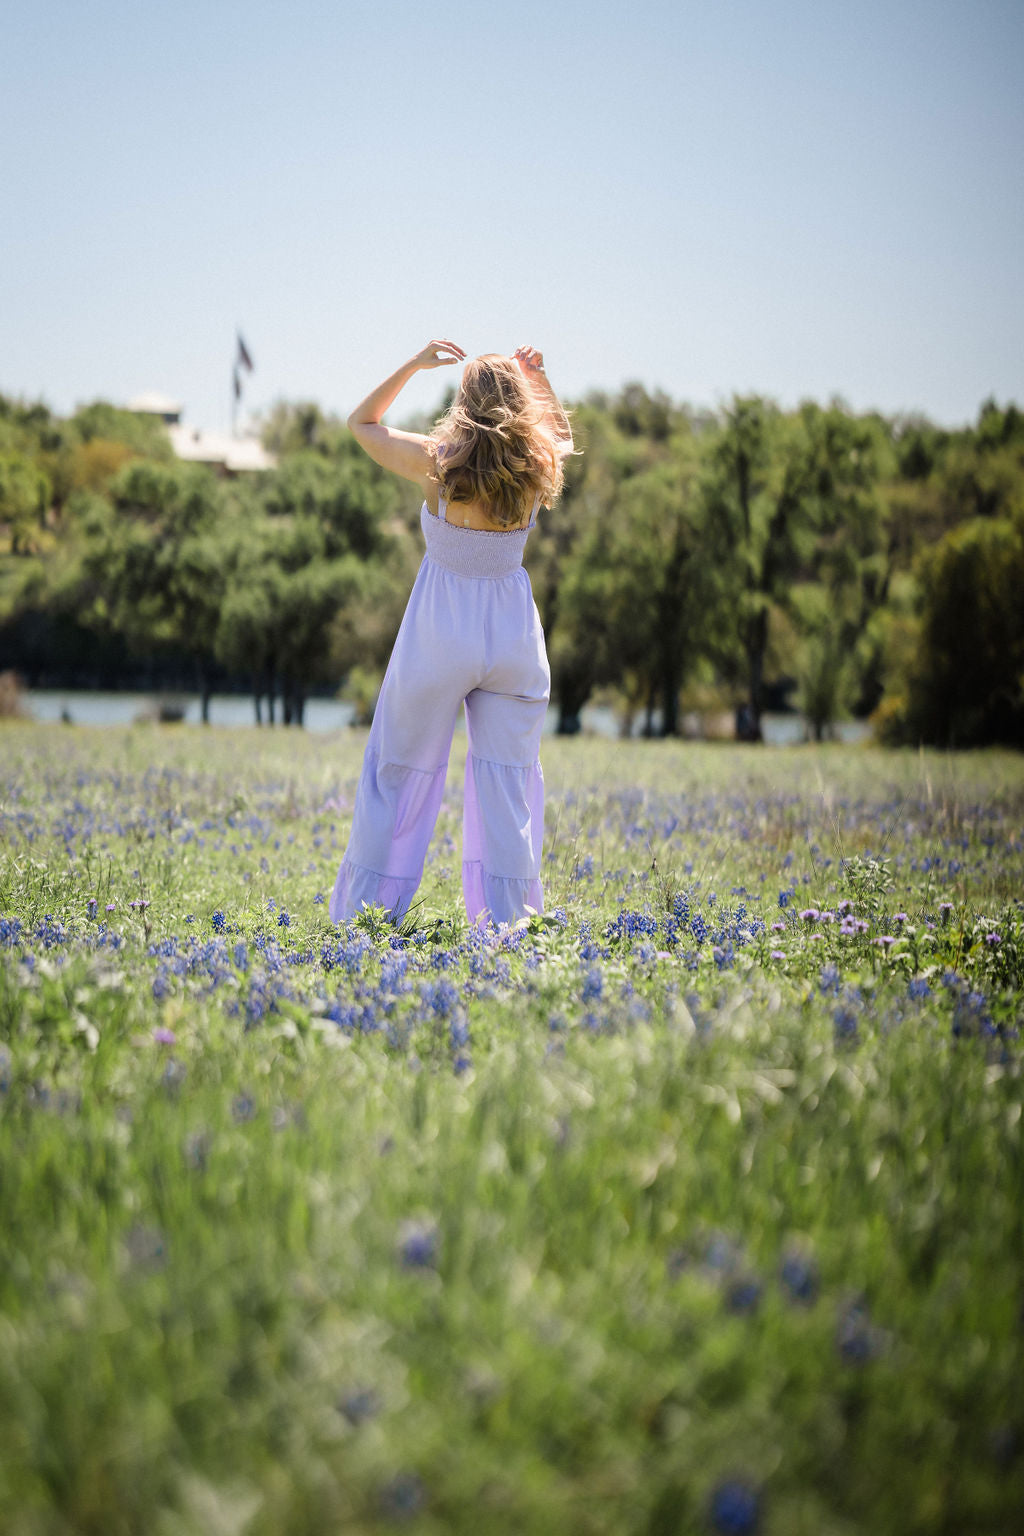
[
  {"x": 236, "y": 378},
  {"x": 244, "y": 358}
]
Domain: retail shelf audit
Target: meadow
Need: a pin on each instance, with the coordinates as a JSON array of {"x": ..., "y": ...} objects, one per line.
[{"x": 694, "y": 1204}]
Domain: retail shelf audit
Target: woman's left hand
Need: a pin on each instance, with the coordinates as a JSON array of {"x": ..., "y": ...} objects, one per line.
[{"x": 530, "y": 360}]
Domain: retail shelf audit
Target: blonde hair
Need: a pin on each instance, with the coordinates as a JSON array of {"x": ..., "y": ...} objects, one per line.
[{"x": 493, "y": 444}]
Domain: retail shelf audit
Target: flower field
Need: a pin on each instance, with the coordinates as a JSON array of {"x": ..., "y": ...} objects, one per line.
[{"x": 696, "y": 1204}]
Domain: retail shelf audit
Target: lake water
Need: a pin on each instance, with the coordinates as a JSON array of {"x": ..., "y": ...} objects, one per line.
[{"x": 324, "y": 715}]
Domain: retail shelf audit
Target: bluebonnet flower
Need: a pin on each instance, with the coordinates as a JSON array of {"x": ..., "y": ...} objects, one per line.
[
  {"x": 785, "y": 897},
  {"x": 699, "y": 929},
  {"x": 743, "y": 1294},
  {"x": 734, "y": 1508},
  {"x": 403, "y": 1496},
  {"x": 593, "y": 984},
  {"x": 845, "y": 1020},
  {"x": 829, "y": 979},
  {"x": 919, "y": 988},
  {"x": 799, "y": 1277},
  {"x": 359, "y": 1404},
  {"x": 418, "y": 1244},
  {"x": 219, "y": 922},
  {"x": 283, "y": 920},
  {"x": 440, "y": 997},
  {"x": 630, "y": 925},
  {"x": 319, "y": 899},
  {"x": 857, "y": 1339},
  {"x": 721, "y": 1251},
  {"x": 243, "y": 1107}
]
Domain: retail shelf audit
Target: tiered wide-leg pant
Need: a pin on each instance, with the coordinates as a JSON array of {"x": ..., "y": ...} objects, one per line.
[{"x": 477, "y": 641}]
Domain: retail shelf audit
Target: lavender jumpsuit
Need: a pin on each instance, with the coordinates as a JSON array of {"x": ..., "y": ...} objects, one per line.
[{"x": 471, "y": 634}]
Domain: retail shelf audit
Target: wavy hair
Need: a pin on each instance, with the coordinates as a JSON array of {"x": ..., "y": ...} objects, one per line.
[{"x": 493, "y": 445}]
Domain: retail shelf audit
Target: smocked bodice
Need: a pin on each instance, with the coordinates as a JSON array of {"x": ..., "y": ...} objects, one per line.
[{"x": 473, "y": 551}]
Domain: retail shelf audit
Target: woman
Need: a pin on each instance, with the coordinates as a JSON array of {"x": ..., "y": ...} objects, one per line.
[{"x": 471, "y": 636}]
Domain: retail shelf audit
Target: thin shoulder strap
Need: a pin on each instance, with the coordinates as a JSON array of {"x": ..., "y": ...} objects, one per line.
[
  {"x": 533, "y": 514},
  {"x": 441, "y": 507}
]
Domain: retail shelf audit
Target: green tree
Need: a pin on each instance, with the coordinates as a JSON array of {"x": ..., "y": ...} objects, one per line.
[
  {"x": 757, "y": 497},
  {"x": 310, "y": 558},
  {"x": 637, "y": 597},
  {"x": 153, "y": 561},
  {"x": 24, "y": 500},
  {"x": 968, "y": 682}
]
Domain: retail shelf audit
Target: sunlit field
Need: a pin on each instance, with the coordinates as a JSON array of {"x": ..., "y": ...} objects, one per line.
[{"x": 694, "y": 1204}]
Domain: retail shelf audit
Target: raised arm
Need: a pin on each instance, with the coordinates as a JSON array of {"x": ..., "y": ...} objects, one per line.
[
  {"x": 532, "y": 364},
  {"x": 404, "y": 453}
]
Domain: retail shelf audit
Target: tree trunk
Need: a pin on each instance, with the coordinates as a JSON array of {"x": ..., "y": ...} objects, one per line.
[
  {"x": 256, "y": 699},
  {"x": 756, "y": 647},
  {"x": 573, "y": 692},
  {"x": 669, "y": 697},
  {"x": 648, "y": 730},
  {"x": 204, "y": 693}
]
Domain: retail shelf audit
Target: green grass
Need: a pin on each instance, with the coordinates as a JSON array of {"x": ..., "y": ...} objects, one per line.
[{"x": 573, "y": 1229}]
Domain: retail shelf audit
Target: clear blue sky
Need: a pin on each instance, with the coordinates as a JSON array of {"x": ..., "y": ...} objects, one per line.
[{"x": 799, "y": 197}]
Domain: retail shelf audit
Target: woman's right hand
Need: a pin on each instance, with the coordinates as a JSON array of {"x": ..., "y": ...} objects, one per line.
[{"x": 431, "y": 356}]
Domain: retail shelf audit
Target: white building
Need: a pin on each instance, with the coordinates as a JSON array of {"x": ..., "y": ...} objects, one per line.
[{"x": 229, "y": 455}]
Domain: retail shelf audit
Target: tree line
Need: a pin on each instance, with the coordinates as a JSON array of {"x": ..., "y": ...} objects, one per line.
[{"x": 856, "y": 564}]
